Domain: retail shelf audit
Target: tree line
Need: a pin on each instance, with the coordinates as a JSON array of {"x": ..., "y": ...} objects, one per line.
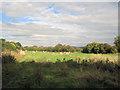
[
  {"x": 94, "y": 47},
  {"x": 58, "y": 48},
  {"x": 103, "y": 47}
]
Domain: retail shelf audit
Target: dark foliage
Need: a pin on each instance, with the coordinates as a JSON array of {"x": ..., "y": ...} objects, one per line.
[
  {"x": 8, "y": 59},
  {"x": 103, "y": 48},
  {"x": 117, "y": 42}
]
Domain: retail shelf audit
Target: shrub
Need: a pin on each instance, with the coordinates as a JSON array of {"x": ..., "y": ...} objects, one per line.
[
  {"x": 99, "y": 48},
  {"x": 8, "y": 59}
]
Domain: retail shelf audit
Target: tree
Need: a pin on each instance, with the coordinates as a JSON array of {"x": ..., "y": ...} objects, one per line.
[
  {"x": 96, "y": 47},
  {"x": 113, "y": 49},
  {"x": 89, "y": 48},
  {"x": 85, "y": 50},
  {"x": 117, "y": 42},
  {"x": 92, "y": 48},
  {"x": 58, "y": 47},
  {"x": 10, "y": 45},
  {"x": 102, "y": 48},
  {"x": 19, "y": 44},
  {"x": 107, "y": 47}
]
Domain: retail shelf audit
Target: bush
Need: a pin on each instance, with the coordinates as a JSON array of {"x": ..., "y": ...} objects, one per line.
[
  {"x": 103, "y": 48},
  {"x": 10, "y": 45},
  {"x": 8, "y": 59}
]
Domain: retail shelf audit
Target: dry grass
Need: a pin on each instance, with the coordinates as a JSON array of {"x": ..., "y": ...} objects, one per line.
[
  {"x": 28, "y": 58},
  {"x": 99, "y": 57},
  {"x": 13, "y": 53}
]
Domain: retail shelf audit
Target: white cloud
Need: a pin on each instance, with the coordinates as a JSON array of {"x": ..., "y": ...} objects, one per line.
[{"x": 75, "y": 24}]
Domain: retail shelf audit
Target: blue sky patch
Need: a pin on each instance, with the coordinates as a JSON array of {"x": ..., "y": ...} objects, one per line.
[
  {"x": 5, "y": 18},
  {"x": 55, "y": 11},
  {"x": 51, "y": 6}
]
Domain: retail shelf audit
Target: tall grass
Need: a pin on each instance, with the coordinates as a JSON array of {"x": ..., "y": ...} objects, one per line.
[
  {"x": 50, "y": 70},
  {"x": 17, "y": 56},
  {"x": 66, "y": 74}
]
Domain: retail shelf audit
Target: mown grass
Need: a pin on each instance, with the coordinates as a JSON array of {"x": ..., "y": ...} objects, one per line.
[{"x": 76, "y": 70}]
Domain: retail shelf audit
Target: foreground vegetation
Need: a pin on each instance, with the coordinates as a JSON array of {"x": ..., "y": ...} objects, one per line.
[{"x": 64, "y": 72}]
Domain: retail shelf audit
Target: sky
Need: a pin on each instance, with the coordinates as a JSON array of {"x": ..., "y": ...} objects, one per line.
[{"x": 50, "y": 23}]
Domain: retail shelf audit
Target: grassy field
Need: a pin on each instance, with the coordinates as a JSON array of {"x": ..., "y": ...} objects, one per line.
[
  {"x": 52, "y": 70},
  {"x": 54, "y": 56}
]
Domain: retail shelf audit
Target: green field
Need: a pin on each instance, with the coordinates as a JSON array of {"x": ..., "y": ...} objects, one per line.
[{"x": 54, "y": 56}]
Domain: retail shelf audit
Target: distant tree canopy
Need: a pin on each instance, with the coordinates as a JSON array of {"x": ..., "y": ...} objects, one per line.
[
  {"x": 99, "y": 48},
  {"x": 10, "y": 45},
  {"x": 117, "y": 42},
  {"x": 94, "y": 47},
  {"x": 58, "y": 48}
]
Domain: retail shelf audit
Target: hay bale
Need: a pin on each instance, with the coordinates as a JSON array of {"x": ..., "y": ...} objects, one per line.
[
  {"x": 33, "y": 51},
  {"x": 60, "y": 53},
  {"x": 22, "y": 52},
  {"x": 66, "y": 53}
]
